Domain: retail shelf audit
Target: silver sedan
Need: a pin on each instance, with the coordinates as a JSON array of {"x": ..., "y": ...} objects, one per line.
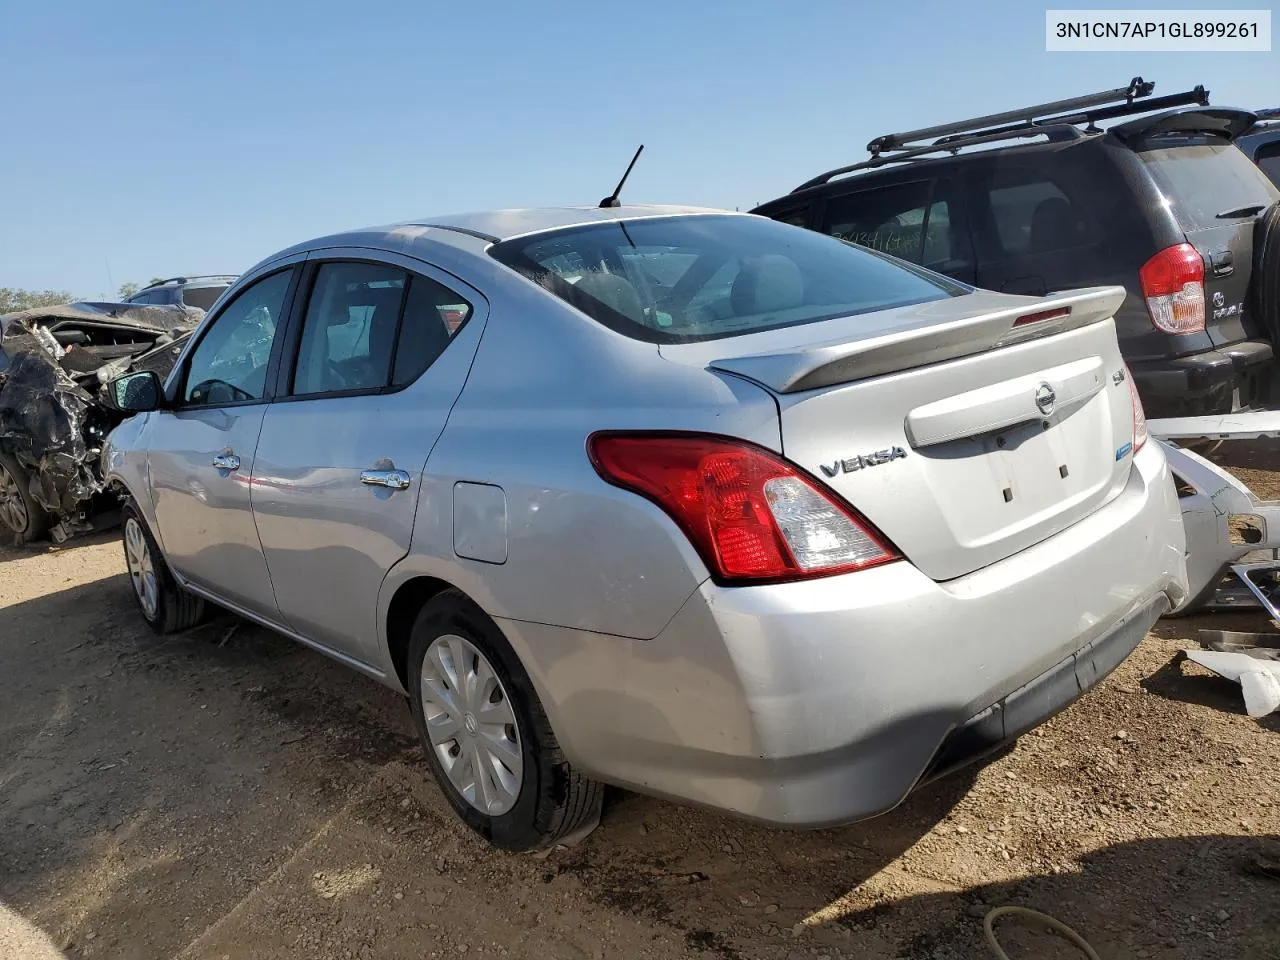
[{"x": 692, "y": 502}]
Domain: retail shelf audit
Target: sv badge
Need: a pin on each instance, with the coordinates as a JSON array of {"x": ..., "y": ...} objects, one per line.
[{"x": 863, "y": 460}]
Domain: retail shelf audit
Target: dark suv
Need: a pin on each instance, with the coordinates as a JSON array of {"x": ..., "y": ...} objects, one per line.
[
  {"x": 198, "y": 292},
  {"x": 1164, "y": 205}
]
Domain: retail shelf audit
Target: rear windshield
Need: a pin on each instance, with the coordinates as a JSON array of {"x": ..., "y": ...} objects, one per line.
[
  {"x": 201, "y": 297},
  {"x": 1206, "y": 180},
  {"x": 679, "y": 279}
]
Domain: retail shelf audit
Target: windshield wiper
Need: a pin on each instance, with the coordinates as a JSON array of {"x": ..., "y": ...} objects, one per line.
[{"x": 1239, "y": 213}]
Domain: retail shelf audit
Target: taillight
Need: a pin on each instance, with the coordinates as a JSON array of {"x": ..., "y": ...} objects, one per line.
[
  {"x": 1173, "y": 283},
  {"x": 1139, "y": 415},
  {"x": 751, "y": 515}
]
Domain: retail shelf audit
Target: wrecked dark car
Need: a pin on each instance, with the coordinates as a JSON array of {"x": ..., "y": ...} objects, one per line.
[{"x": 54, "y": 365}]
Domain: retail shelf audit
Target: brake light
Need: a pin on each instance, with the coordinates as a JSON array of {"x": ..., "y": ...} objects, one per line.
[
  {"x": 1173, "y": 283},
  {"x": 1139, "y": 415},
  {"x": 1042, "y": 316},
  {"x": 751, "y": 515}
]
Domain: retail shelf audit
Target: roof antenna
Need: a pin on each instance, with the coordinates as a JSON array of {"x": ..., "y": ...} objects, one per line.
[{"x": 612, "y": 199}]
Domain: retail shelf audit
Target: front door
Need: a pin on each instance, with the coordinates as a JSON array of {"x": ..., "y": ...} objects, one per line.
[
  {"x": 201, "y": 449},
  {"x": 343, "y": 448}
]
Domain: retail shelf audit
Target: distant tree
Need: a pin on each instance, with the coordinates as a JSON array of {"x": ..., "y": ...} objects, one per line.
[
  {"x": 12, "y": 299},
  {"x": 127, "y": 290},
  {"x": 155, "y": 280}
]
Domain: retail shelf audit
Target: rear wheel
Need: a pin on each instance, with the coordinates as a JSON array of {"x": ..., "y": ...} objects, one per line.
[
  {"x": 487, "y": 739},
  {"x": 165, "y": 605},
  {"x": 19, "y": 513}
]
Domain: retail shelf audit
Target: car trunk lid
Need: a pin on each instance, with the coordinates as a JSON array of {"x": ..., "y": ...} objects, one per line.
[{"x": 962, "y": 435}]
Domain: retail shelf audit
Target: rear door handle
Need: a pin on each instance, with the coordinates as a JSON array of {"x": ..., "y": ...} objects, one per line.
[
  {"x": 1221, "y": 263},
  {"x": 226, "y": 461},
  {"x": 392, "y": 479}
]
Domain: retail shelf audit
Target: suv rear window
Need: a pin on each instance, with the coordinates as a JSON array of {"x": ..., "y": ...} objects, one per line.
[
  {"x": 680, "y": 279},
  {"x": 1207, "y": 177},
  {"x": 202, "y": 298}
]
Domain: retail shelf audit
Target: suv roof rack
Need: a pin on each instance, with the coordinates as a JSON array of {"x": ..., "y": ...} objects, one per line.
[
  {"x": 1058, "y": 119},
  {"x": 203, "y": 276}
]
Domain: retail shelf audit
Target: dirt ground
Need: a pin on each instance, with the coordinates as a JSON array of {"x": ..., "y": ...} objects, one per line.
[{"x": 227, "y": 795}]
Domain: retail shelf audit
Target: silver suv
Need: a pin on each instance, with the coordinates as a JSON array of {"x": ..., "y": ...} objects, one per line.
[{"x": 692, "y": 502}]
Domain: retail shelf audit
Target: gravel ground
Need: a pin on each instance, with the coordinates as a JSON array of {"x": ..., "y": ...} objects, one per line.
[{"x": 227, "y": 795}]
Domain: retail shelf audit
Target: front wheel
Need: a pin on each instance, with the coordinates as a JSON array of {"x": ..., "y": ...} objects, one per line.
[
  {"x": 487, "y": 739},
  {"x": 165, "y": 605}
]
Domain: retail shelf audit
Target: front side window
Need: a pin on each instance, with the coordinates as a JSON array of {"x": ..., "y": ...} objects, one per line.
[
  {"x": 229, "y": 364},
  {"x": 680, "y": 279}
]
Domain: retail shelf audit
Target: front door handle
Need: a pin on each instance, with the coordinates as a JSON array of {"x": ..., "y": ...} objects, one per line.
[
  {"x": 226, "y": 461},
  {"x": 392, "y": 479}
]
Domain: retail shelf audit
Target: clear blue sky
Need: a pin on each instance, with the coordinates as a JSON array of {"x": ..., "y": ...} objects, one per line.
[{"x": 169, "y": 138}]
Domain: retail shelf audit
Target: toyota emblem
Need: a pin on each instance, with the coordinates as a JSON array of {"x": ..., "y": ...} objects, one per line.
[
  {"x": 1045, "y": 399},
  {"x": 1218, "y": 298}
]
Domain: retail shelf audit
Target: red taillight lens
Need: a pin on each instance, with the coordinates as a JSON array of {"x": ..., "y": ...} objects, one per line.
[
  {"x": 1139, "y": 415},
  {"x": 751, "y": 515},
  {"x": 1173, "y": 283}
]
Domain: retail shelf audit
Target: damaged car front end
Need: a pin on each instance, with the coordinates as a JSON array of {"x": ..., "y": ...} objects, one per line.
[{"x": 54, "y": 365}]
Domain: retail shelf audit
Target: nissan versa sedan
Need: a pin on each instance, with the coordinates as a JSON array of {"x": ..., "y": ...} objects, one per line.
[{"x": 696, "y": 503}]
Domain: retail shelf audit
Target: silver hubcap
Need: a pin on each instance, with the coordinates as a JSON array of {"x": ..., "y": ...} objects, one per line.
[
  {"x": 13, "y": 509},
  {"x": 142, "y": 572},
  {"x": 471, "y": 725}
]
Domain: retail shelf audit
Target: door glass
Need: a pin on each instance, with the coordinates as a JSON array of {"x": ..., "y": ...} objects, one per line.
[
  {"x": 229, "y": 364},
  {"x": 890, "y": 220},
  {"x": 349, "y": 333},
  {"x": 1032, "y": 215},
  {"x": 432, "y": 315}
]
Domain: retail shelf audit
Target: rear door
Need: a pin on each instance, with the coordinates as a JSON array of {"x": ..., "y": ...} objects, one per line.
[
  {"x": 1216, "y": 195},
  {"x": 379, "y": 357}
]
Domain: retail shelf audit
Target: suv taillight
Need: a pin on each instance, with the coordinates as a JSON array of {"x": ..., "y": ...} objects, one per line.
[
  {"x": 1173, "y": 283},
  {"x": 751, "y": 515},
  {"x": 1139, "y": 415}
]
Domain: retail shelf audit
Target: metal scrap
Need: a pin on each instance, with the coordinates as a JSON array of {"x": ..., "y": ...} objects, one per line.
[{"x": 54, "y": 365}]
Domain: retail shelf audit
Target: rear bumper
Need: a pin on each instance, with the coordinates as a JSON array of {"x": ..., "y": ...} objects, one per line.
[
  {"x": 1236, "y": 377},
  {"x": 815, "y": 703}
]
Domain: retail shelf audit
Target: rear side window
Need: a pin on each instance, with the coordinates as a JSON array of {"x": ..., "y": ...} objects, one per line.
[
  {"x": 1205, "y": 180},
  {"x": 349, "y": 334},
  {"x": 432, "y": 315},
  {"x": 1269, "y": 161},
  {"x": 1031, "y": 214},
  {"x": 680, "y": 279},
  {"x": 888, "y": 220}
]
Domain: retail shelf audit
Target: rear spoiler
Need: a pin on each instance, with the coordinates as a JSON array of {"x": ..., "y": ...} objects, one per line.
[{"x": 824, "y": 364}]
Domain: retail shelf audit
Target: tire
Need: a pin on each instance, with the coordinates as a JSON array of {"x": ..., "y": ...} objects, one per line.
[
  {"x": 547, "y": 799},
  {"x": 166, "y": 607},
  {"x": 1266, "y": 272},
  {"x": 19, "y": 513}
]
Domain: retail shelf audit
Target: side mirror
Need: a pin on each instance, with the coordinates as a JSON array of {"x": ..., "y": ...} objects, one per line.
[{"x": 136, "y": 392}]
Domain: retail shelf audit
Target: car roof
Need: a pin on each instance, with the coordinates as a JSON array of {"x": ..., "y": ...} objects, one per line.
[{"x": 469, "y": 233}]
